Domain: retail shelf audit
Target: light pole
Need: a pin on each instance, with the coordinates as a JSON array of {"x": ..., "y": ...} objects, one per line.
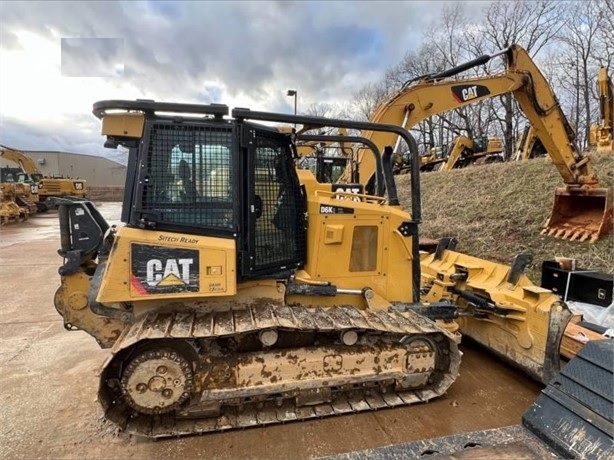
[{"x": 293, "y": 92}]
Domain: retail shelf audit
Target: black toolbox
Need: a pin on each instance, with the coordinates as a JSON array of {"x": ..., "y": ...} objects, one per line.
[{"x": 581, "y": 285}]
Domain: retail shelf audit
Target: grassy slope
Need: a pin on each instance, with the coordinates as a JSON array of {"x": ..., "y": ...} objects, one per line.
[{"x": 497, "y": 211}]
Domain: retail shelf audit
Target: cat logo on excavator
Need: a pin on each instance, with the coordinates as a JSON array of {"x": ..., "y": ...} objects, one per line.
[{"x": 464, "y": 93}]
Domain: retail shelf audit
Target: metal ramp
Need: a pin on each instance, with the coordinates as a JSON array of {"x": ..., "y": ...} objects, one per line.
[{"x": 574, "y": 413}]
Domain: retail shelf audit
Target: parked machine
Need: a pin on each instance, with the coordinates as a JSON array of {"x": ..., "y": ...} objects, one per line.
[
  {"x": 582, "y": 210},
  {"x": 465, "y": 151},
  {"x": 432, "y": 159},
  {"x": 241, "y": 291},
  {"x": 25, "y": 194},
  {"x": 529, "y": 146},
  {"x": 600, "y": 134},
  {"x": 10, "y": 210},
  {"x": 44, "y": 187}
]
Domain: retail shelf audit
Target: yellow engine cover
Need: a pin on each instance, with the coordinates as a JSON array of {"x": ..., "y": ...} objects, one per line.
[{"x": 149, "y": 265}]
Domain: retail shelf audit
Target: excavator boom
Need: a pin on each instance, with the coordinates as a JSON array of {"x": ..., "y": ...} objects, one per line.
[{"x": 26, "y": 163}]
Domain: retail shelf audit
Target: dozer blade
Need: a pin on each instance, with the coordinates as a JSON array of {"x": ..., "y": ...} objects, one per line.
[
  {"x": 580, "y": 214},
  {"x": 501, "y": 309}
]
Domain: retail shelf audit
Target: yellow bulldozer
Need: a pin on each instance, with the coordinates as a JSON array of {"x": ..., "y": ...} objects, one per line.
[
  {"x": 10, "y": 210},
  {"x": 240, "y": 291},
  {"x": 25, "y": 194}
]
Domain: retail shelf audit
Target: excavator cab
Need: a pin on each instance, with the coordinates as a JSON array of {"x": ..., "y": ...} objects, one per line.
[{"x": 480, "y": 144}]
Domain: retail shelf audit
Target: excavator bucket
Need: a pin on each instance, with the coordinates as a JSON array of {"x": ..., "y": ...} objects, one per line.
[{"x": 581, "y": 215}]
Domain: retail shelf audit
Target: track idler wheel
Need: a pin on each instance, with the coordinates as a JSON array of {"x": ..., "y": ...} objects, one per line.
[{"x": 157, "y": 381}]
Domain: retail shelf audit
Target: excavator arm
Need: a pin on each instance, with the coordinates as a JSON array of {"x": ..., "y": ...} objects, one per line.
[
  {"x": 25, "y": 163},
  {"x": 601, "y": 134},
  {"x": 529, "y": 146},
  {"x": 581, "y": 209},
  {"x": 461, "y": 143}
]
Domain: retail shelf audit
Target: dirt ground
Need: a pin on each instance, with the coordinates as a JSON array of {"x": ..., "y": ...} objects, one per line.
[{"x": 49, "y": 381}]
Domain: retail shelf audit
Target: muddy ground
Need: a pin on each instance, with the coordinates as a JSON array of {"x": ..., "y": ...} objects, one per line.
[{"x": 49, "y": 381}]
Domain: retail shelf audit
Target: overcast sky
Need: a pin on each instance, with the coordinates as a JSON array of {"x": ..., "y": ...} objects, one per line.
[{"x": 58, "y": 58}]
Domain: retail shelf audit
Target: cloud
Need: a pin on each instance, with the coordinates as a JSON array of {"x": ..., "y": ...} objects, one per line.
[
  {"x": 92, "y": 57},
  {"x": 243, "y": 54}
]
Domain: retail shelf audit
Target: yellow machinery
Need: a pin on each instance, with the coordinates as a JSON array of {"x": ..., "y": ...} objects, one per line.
[
  {"x": 313, "y": 154},
  {"x": 465, "y": 151},
  {"x": 46, "y": 187},
  {"x": 462, "y": 152},
  {"x": 581, "y": 209},
  {"x": 241, "y": 291},
  {"x": 431, "y": 160},
  {"x": 529, "y": 146},
  {"x": 10, "y": 211},
  {"x": 601, "y": 134},
  {"x": 25, "y": 194}
]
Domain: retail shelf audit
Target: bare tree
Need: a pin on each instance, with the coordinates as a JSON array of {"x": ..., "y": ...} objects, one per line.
[
  {"x": 367, "y": 99},
  {"x": 533, "y": 25},
  {"x": 604, "y": 49},
  {"x": 582, "y": 31}
]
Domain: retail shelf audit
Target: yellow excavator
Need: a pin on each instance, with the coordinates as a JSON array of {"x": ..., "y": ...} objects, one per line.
[
  {"x": 44, "y": 187},
  {"x": 460, "y": 153},
  {"x": 529, "y": 146},
  {"x": 601, "y": 134},
  {"x": 582, "y": 210},
  {"x": 240, "y": 291},
  {"x": 465, "y": 151},
  {"x": 432, "y": 160}
]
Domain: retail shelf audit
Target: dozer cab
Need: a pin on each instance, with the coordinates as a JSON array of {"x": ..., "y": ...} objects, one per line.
[{"x": 242, "y": 292}]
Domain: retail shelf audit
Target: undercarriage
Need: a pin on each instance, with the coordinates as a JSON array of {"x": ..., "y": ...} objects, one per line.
[{"x": 184, "y": 373}]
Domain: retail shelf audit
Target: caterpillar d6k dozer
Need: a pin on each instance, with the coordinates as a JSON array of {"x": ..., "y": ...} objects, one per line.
[{"x": 241, "y": 292}]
